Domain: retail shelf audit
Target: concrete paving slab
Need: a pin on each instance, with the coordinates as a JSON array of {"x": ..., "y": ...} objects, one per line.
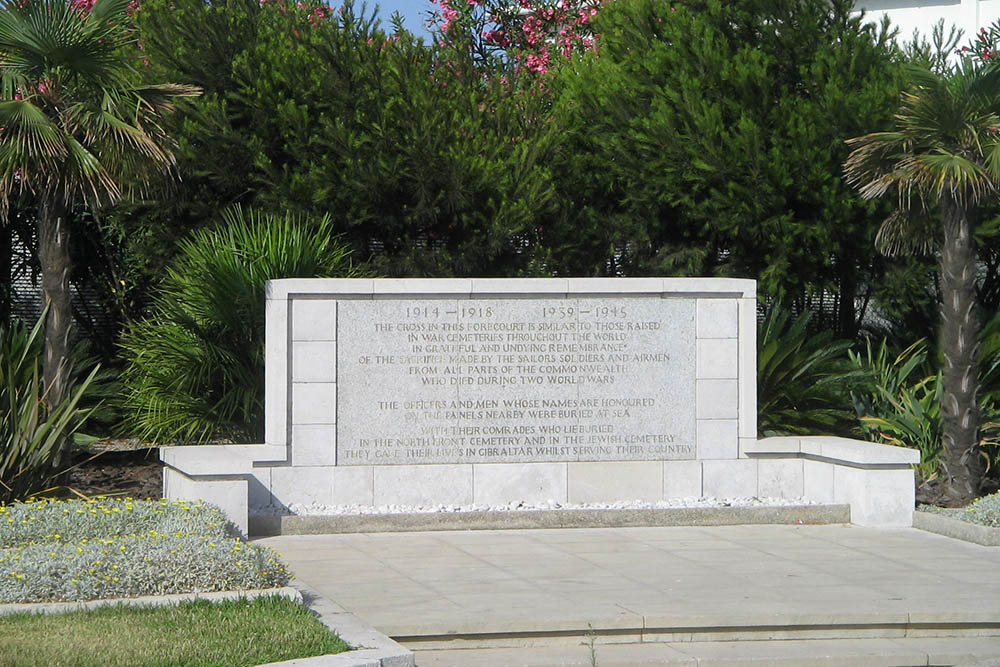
[{"x": 681, "y": 581}]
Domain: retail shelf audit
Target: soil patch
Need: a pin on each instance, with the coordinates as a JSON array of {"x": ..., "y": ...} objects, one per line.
[{"x": 116, "y": 469}]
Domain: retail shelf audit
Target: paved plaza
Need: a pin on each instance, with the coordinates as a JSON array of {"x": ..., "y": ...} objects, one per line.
[{"x": 439, "y": 592}]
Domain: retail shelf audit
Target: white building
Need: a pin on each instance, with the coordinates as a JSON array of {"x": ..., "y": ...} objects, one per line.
[{"x": 910, "y": 15}]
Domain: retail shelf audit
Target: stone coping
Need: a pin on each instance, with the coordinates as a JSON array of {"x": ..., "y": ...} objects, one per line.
[
  {"x": 842, "y": 451},
  {"x": 941, "y": 524},
  {"x": 514, "y": 519},
  {"x": 220, "y": 459},
  {"x": 372, "y": 648},
  {"x": 385, "y": 288}
]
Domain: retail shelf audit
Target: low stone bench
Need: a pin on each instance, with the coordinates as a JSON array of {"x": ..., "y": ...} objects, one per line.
[
  {"x": 876, "y": 480},
  {"x": 218, "y": 474}
]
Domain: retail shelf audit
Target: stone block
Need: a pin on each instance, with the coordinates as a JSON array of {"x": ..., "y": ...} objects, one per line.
[
  {"x": 717, "y": 358},
  {"x": 259, "y": 489},
  {"x": 717, "y": 439},
  {"x": 710, "y": 287},
  {"x": 780, "y": 478},
  {"x": 353, "y": 485},
  {"x": 717, "y": 399},
  {"x": 624, "y": 287},
  {"x": 718, "y": 318},
  {"x": 314, "y": 319},
  {"x": 681, "y": 479},
  {"x": 607, "y": 481},
  {"x": 230, "y": 495},
  {"x": 340, "y": 287},
  {"x": 817, "y": 481},
  {"x": 858, "y": 451},
  {"x": 878, "y": 498},
  {"x": 517, "y": 287},
  {"x": 748, "y": 367},
  {"x": 423, "y": 288},
  {"x": 776, "y": 445},
  {"x": 423, "y": 485},
  {"x": 501, "y": 483},
  {"x": 314, "y": 445},
  {"x": 314, "y": 403},
  {"x": 314, "y": 361},
  {"x": 276, "y": 372},
  {"x": 220, "y": 459},
  {"x": 734, "y": 478},
  {"x": 302, "y": 485},
  {"x": 746, "y": 444}
]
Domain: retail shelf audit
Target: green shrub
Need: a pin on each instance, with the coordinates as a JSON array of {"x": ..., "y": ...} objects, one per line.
[
  {"x": 31, "y": 431},
  {"x": 803, "y": 378},
  {"x": 99, "y": 518},
  {"x": 195, "y": 368},
  {"x": 985, "y": 511},
  {"x": 51, "y": 561},
  {"x": 902, "y": 403}
]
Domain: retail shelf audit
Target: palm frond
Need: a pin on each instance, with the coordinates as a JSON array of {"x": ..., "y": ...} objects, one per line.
[{"x": 904, "y": 233}]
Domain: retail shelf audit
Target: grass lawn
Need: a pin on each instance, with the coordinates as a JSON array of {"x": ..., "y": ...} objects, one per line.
[{"x": 241, "y": 632}]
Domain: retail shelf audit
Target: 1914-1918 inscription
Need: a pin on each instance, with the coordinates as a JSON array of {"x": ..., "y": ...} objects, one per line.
[{"x": 490, "y": 381}]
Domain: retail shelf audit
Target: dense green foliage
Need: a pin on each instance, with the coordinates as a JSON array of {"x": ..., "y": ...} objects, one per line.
[
  {"x": 698, "y": 137},
  {"x": 426, "y": 167},
  {"x": 80, "y": 128},
  {"x": 804, "y": 379},
  {"x": 901, "y": 405},
  {"x": 706, "y": 138},
  {"x": 195, "y": 368}
]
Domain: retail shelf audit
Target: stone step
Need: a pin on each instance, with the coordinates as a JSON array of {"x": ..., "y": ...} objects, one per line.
[
  {"x": 544, "y": 631},
  {"x": 880, "y": 652}
]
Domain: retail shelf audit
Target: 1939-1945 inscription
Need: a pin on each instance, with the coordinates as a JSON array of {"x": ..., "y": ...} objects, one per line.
[{"x": 489, "y": 381}]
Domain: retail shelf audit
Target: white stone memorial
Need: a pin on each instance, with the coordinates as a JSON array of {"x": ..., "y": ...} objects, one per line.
[{"x": 425, "y": 392}]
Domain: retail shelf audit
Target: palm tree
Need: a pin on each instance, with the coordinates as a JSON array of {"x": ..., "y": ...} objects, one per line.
[
  {"x": 77, "y": 128},
  {"x": 944, "y": 152}
]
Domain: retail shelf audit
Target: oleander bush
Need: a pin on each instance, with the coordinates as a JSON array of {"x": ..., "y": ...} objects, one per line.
[{"x": 83, "y": 550}]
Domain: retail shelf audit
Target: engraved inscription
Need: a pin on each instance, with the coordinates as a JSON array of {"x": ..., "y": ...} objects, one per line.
[{"x": 449, "y": 381}]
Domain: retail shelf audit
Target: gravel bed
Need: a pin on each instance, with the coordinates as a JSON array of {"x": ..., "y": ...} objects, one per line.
[{"x": 673, "y": 503}]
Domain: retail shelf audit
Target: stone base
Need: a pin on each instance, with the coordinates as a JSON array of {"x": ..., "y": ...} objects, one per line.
[{"x": 876, "y": 481}]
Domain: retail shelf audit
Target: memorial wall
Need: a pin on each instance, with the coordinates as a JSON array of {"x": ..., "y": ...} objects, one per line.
[
  {"x": 471, "y": 394},
  {"x": 427, "y": 391}
]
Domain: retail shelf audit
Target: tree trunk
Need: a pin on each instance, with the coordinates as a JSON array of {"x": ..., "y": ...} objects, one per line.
[
  {"x": 53, "y": 256},
  {"x": 960, "y": 459}
]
